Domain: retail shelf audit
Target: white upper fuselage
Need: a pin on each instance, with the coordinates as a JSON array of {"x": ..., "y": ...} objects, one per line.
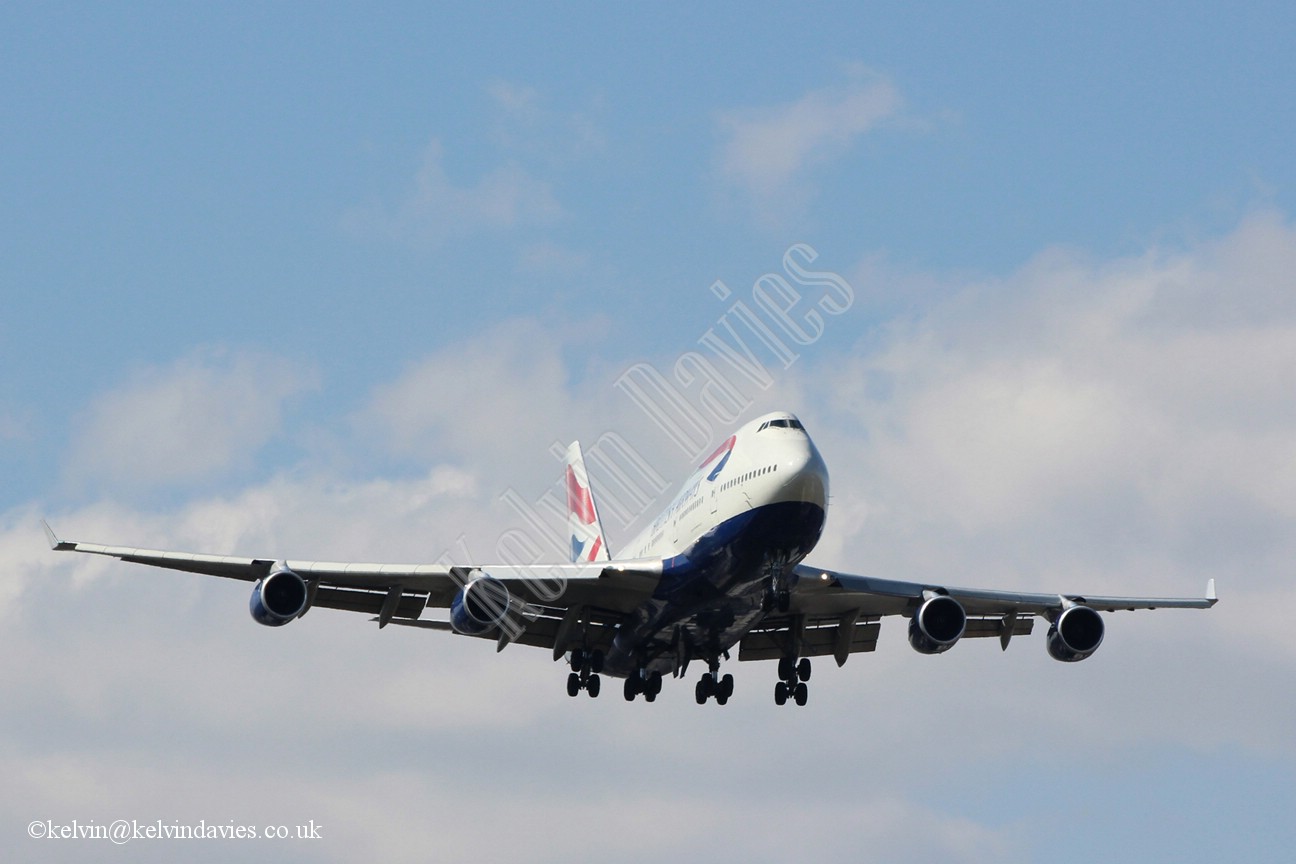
[
  {"x": 727, "y": 542},
  {"x": 771, "y": 460}
]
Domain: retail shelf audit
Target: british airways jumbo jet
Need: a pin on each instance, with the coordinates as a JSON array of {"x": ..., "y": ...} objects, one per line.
[{"x": 720, "y": 569}]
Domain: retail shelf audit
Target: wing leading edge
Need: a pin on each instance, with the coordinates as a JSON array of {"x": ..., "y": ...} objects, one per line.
[{"x": 885, "y": 593}]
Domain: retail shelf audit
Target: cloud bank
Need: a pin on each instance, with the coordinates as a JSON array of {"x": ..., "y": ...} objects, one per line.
[{"x": 1115, "y": 426}]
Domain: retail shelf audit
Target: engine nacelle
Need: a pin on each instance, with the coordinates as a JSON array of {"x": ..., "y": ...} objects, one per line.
[
  {"x": 1076, "y": 634},
  {"x": 479, "y": 606},
  {"x": 279, "y": 597},
  {"x": 937, "y": 625}
]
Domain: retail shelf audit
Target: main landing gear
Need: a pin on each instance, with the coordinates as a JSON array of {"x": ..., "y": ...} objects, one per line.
[
  {"x": 794, "y": 674},
  {"x": 711, "y": 684},
  {"x": 642, "y": 681},
  {"x": 586, "y": 666}
]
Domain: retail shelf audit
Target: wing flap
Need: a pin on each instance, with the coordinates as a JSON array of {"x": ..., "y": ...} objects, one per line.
[
  {"x": 985, "y": 628},
  {"x": 409, "y": 606},
  {"x": 543, "y": 632},
  {"x": 798, "y": 637}
]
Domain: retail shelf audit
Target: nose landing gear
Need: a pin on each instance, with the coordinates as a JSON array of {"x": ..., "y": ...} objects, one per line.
[{"x": 778, "y": 590}]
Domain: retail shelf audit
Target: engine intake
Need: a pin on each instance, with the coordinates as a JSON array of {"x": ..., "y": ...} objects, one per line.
[
  {"x": 480, "y": 606},
  {"x": 1076, "y": 634},
  {"x": 279, "y": 597},
  {"x": 937, "y": 625}
]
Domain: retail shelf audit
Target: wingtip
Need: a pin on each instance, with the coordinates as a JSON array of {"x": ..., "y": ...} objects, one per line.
[
  {"x": 1210, "y": 592},
  {"x": 55, "y": 543}
]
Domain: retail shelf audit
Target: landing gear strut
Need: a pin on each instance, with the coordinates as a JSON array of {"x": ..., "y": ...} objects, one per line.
[
  {"x": 794, "y": 674},
  {"x": 711, "y": 684},
  {"x": 778, "y": 594},
  {"x": 777, "y": 598},
  {"x": 586, "y": 666}
]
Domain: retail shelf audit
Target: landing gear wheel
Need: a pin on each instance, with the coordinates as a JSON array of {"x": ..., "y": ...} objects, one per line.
[
  {"x": 712, "y": 684},
  {"x": 793, "y": 674},
  {"x": 631, "y": 687},
  {"x": 586, "y": 666}
]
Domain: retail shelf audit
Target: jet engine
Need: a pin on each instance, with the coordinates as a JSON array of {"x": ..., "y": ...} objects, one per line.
[
  {"x": 479, "y": 606},
  {"x": 937, "y": 625},
  {"x": 1076, "y": 634},
  {"x": 279, "y": 597}
]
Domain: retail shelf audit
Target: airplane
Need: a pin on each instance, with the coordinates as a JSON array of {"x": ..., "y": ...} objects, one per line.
[{"x": 719, "y": 570}]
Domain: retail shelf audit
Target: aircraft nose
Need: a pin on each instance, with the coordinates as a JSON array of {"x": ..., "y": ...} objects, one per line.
[{"x": 807, "y": 475}]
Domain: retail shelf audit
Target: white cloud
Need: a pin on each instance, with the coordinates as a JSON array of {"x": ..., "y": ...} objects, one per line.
[
  {"x": 205, "y": 414},
  {"x": 1075, "y": 398},
  {"x": 769, "y": 152},
  {"x": 1120, "y": 427},
  {"x": 527, "y": 127},
  {"x": 501, "y": 391},
  {"x": 437, "y": 208},
  {"x": 506, "y": 188}
]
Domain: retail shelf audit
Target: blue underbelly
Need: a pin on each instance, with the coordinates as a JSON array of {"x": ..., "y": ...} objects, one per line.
[{"x": 710, "y": 596}]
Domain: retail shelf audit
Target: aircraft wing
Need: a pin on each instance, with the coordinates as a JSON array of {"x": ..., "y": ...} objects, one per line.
[
  {"x": 552, "y": 599},
  {"x": 834, "y": 613}
]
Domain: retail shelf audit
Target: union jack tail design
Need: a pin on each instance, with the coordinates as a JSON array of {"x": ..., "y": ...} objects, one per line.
[{"x": 587, "y": 541}]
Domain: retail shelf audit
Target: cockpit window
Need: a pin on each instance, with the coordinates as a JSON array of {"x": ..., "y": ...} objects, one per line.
[{"x": 782, "y": 424}]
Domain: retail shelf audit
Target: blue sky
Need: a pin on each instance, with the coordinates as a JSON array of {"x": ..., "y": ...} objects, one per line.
[{"x": 332, "y": 280}]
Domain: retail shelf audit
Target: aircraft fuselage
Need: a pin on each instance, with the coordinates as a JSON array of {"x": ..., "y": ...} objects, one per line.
[{"x": 752, "y": 511}]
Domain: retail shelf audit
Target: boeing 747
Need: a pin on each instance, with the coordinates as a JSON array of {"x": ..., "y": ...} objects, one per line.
[{"x": 721, "y": 571}]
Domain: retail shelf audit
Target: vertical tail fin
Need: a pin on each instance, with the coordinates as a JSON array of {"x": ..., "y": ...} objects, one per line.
[{"x": 587, "y": 540}]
